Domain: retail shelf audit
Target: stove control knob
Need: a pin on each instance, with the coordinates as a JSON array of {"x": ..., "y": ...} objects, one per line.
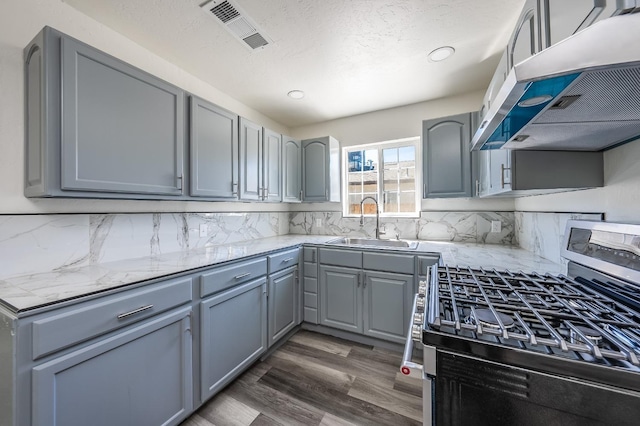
[
  {"x": 421, "y": 304},
  {"x": 418, "y": 319},
  {"x": 422, "y": 288},
  {"x": 416, "y": 332}
]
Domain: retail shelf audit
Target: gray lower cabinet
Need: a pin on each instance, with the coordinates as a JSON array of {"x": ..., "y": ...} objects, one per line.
[
  {"x": 291, "y": 170},
  {"x": 341, "y": 298},
  {"x": 283, "y": 302},
  {"x": 387, "y": 305},
  {"x": 372, "y": 303},
  {"x": 98, "y": 127},
  {"x": 321, "y": 170},
  {"x": 141, "y": 376},
  {"x": 233, "y": 333},
  {"x": 213, "y": 151},
  {"x": 447, "y": 160}
]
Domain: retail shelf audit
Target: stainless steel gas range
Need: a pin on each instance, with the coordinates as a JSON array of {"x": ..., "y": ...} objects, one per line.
[{"x": 514, "y": 348}]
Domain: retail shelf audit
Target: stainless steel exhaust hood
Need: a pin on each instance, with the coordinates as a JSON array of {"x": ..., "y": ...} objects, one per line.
[{"x": 581, "y": 94}]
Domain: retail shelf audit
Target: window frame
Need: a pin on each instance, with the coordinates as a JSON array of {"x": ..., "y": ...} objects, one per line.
[{"x": 416, "y": 142}]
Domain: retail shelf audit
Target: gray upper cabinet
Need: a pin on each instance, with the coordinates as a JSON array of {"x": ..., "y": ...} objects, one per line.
[
  {"x": 213, "y": 151},
  {"x": 447, "y": 157},
  {"x": 272, "y": 165},
  {"x": 291, "y": 170},
  {"x": 250, "y": 160},
  {"x": 563, "y": 18},
  {"x": 499, "y": 77},
  {"x": 98, "y": 127},
  {"x": 525, "y": 40},
  {"x": 120, "y": 380},
  {"x": 519, "y": 172},
  {"x": 260, "y": 163},
  {"x": 321, "y": 170}
]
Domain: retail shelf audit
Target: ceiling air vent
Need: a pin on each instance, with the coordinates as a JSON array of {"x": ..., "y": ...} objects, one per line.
[{"x": 237, "y": 23}]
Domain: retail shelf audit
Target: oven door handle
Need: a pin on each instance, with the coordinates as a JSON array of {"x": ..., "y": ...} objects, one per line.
[{"x": 408, "y": 367}]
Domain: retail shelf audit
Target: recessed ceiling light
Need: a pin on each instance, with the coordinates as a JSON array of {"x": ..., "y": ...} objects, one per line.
[
  {"x": 296, "y": 94},
  {"x": 441, "y": 53}
]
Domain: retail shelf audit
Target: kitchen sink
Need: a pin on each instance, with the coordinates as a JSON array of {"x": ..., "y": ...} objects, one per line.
[{"x": 372, "y": 242}]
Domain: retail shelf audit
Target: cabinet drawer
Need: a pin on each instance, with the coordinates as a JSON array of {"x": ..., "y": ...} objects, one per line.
[
  {"x": 388, "y": 262},
  {"x": 310, "y": 300},
  {"x": 95, "y": 318},
  {"x": 310, "y": 285},
  {"x": 310, "y": 254},
  {"x": 310, "y": 270},
  {"x": 228, "y": 276},
  {"x": 280, "y": 261},
  {"x": 352, "y": 259}
]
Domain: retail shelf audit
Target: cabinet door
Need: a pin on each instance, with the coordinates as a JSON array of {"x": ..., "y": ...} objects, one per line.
[
  {"x": 315, "y": 164},
  {"x": 250, "y": 160},
  {"x": 141, "y": 376},
  {"x": 341, "y": 298},
  {"x": 272, "y": 173},
  {"x": 564, "y": 18},
  {"x": 499, "y": 77},
  {"x": 213, "y": 151},
  {"x": 525, "y": 41},
  {"x": 283, "y": 303},
  {"x": 292, "y": 170},
  {"x": 500, "y": 163},
  {"x": 233, "y": 334},
  {"x": 447, "y": 158},
  {"x": 387, "y": 305},
  {"x": 122, "y": 129}
]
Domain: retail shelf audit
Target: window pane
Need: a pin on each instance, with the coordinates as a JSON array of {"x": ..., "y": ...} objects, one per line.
[
  {"x": 384, "y": 173},
  {"x": 391, "y": 202},
  {"x": 407, "y": 202}
]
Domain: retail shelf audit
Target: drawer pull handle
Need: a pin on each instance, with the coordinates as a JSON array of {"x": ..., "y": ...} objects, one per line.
[
  {"x": 246, "y": 274},
  {"x": 288, "y": 259},
  {"x": 135, "y": 311}
]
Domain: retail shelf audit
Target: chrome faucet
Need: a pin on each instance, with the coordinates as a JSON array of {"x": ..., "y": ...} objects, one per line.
[{"x": 377, "y": 214}]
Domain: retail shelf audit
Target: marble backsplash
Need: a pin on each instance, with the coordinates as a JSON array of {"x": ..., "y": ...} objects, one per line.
[
  {"x": 461, "y": 226},
  {"x": 542, "y": 233},
  {"x": 35, "y": 243}
]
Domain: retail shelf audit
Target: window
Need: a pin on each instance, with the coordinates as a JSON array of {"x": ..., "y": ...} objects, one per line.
[{"x": 385, "y": 171}]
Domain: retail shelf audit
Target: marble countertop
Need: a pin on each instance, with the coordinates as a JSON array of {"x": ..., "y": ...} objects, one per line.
[{"x": 26, "y": 293}]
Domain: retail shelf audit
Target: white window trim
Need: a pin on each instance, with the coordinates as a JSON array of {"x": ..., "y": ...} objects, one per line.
[{"x": 415, "y": 141}]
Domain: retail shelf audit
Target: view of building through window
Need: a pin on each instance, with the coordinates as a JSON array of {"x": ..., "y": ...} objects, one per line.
[{"x": 385, "y": 171}]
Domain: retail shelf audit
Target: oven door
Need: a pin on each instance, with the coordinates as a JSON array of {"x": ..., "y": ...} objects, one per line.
[
  {"x": 414, "y": 369},
  {"x": 472, "y": 391}
]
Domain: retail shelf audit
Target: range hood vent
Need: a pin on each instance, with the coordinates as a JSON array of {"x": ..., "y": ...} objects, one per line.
[
  {"x": 582, "y": 93},
  {"x": 237, "y": 23}
]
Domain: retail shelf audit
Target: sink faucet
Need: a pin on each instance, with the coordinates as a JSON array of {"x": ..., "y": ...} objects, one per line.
[{"x": 377, "y": 214}]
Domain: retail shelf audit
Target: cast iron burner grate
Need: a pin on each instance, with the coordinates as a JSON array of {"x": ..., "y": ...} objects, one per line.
[{"x": 542, "y": 313}]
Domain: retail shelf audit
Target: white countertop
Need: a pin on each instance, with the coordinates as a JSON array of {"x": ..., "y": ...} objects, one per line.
[{"x": 27, "y": 292}]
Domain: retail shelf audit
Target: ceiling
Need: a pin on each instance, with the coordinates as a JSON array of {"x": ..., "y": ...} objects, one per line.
[{"x": 348, "y": 56}]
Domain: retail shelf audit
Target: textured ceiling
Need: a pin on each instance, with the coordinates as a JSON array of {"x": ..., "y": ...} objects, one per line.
[{"x": 348, "y": 56}]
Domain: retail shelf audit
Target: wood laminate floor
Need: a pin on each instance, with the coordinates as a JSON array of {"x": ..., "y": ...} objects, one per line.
[{"x": 315, "y": 379}]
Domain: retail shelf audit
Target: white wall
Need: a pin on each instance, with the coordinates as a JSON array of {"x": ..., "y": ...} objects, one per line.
[
  {"x": 619, "y": 199},
  {"x": 398, "y": 123},
  {"x": 20, "y": 21}
]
